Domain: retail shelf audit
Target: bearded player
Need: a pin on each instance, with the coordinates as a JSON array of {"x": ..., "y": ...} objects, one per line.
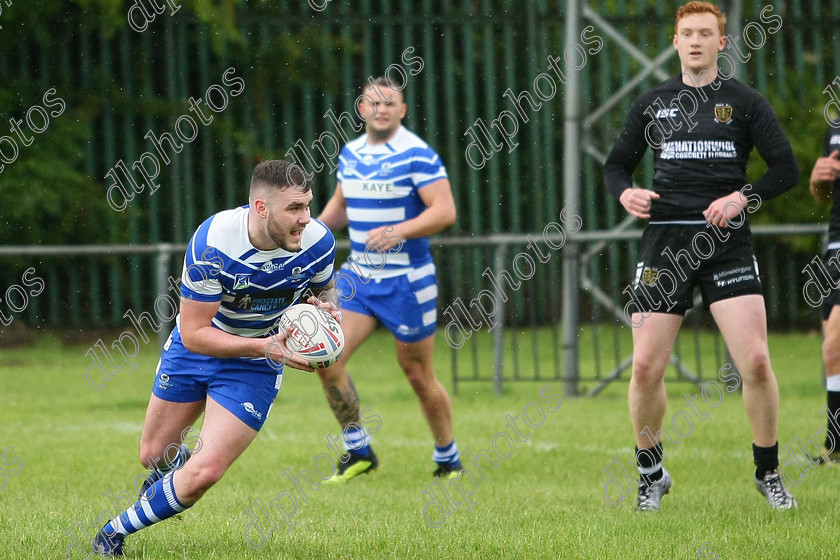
[{"x": 243, "y": 268}]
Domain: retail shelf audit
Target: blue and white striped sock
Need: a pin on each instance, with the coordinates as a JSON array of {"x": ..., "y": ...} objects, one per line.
[
  {"x": 180, "y": 459},
  {"x": 447, "y": 456},
  {"x": 158, "y": 503},
  {"x": 356, "y": 440}
]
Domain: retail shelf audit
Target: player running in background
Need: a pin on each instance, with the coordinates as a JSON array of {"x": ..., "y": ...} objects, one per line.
[
  {"x": 825, "y": 187},
  {"x": 267, "y": 254},
  {"x": 393, "y": 192},
  {"x": 699, "y": 193}
]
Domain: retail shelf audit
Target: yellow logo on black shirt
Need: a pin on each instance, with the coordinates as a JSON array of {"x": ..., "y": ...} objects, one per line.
[
  {"x": 723, "y": 113},
  {"x": 649, "y": 276}
]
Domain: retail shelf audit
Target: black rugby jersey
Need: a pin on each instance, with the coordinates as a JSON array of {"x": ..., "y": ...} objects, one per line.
[
  {"x": 831, "y": 143},
  {"x": 702, "y": 156}
]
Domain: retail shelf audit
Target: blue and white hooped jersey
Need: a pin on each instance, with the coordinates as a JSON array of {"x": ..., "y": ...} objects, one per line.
[
  {"x": 381, "y": 185},
  {"x": 255, "y": 287}
]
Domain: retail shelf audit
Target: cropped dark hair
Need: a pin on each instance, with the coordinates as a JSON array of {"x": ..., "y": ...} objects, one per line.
[
  {"x": 280, "y": 174},
  {"x": 382, "y": 81}
]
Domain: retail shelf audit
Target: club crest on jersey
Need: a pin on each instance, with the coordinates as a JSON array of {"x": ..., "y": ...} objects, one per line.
[
  {"x": 385, "y": 169},
  {"x": 649, "y": 276},
  {"x": 297, "y": 274},
  {"x": 241, "y": 281},
  {"x": 723, "y": 113}
]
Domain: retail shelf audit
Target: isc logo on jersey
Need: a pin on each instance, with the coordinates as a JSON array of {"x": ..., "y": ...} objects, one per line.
[{"x": 667, "y": 113}]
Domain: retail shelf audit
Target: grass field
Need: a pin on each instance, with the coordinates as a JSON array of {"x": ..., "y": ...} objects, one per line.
[{"x": 544, "y": 501}]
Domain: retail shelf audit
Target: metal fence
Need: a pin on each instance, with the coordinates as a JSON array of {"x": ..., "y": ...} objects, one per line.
[
  {"x": 596, "y": 348},
  {"x": 298, "y": 66},
  {"x": 514, "y": 330},
  {"x": 472, "y": 52}
]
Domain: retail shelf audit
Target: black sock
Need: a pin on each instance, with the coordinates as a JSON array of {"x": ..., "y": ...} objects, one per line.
[
  {"x": 649, "y": 458},
  {"x": 766, "y": 459},
  {"x": 833, "y": 410}
]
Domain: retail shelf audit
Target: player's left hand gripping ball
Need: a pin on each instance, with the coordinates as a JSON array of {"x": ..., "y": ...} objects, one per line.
[
  {"x": 327, "y": 306},
  {"x": 314, "y": 334}
]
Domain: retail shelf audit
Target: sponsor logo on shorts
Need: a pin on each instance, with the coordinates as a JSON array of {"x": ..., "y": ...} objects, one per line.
[
  {"x": 734, "y": 276},
  {"x": 164, "y": 381},
  {"x": 249, "y": 408}
]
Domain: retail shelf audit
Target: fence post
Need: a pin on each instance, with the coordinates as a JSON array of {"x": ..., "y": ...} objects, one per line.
[
  {"x": 571, "y": 202},
  {"x": 571, "y": 318},
  {"x": 499, "y": 255},
  {"x": 163, "y": 260}
]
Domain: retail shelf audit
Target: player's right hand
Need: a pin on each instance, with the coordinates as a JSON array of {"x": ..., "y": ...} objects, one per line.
[
  {"x": 277, "y": 353},
  {"x": 637, "y": 202}
]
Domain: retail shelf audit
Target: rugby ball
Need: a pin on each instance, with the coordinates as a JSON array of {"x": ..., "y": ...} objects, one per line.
[{"x": 314, "y": 334}]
